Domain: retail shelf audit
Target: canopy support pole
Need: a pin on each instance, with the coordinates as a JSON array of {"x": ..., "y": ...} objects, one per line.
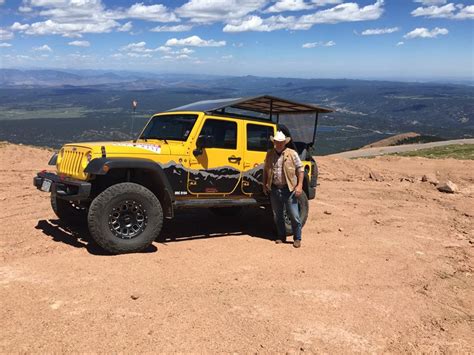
[
  {"x": 315, "y": 127},
  {"x": 271, "y": 110}
]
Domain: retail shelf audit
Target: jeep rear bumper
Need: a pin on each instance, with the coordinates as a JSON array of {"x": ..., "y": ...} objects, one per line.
[{"x": 67, "y": 189}]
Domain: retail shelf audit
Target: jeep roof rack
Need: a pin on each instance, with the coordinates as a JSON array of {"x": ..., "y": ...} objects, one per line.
[{"x": 263, "y": 105}]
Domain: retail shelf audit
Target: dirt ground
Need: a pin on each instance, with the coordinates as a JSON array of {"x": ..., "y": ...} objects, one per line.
[{"x": 385, "y": 266}]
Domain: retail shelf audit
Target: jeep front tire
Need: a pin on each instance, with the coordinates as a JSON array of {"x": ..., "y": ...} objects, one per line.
[{"x": 125, "y": 218}]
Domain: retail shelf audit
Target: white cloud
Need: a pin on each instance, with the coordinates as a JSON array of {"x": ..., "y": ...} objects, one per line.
[
  {"x": 43, "y": 48},
  {"x": 208, "y": 11},
  {"x": 289, "y": 5},
  {"x": 449, "y": 11},
  {"x": 155, "y": 13},
  {"x": 183, "y": 56},
  {"x": 19, "y": 27},
  {"x": 4, "y": 45},
  {"x": 141, "y": 48},
  {"x": 71, "y": 30},
  {"x": 379, "y": 31},
  {"x": 125, "y": 27},
  {"x": 177, "y": 28},
  {"x": 401, "y": 43},
  {"x": 25, "y": 9},
  {"x": 347, "y": 12},
  {"x": 138, "y": 47},
  {"x": 72, "y": 18},
  {"x": 326, "y": 2},
  {"x": 435, "y": 11},
  {"x": 273, "y": 23},
  {"x": 319, "y": 44},
  {"x": 139, "y": 55},
  {"x": 423, "y": 32},
  {"x": 194, "y": 41},
  {"x": 431, "y": 2},
  {"x": 186, "y": 51},
  {"x": 227, "y": 57},
  {"x": 80, "y": 43},
  {"x": 6, "y": 35}
]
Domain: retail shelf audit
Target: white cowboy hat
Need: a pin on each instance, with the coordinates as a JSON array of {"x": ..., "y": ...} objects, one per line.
[{"x": 280, "y": 137}]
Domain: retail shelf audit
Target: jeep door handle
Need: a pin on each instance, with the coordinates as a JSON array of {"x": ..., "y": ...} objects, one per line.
[{"x": 234, "y": 159}]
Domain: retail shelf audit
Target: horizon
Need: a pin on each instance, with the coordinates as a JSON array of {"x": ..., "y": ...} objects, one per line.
[
  {"x": 440, "y": 80},
  {"x": 409, "y": 40}
]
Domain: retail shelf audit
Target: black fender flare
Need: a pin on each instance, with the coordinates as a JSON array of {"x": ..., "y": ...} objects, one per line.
[{"x": 101, "y": 166}]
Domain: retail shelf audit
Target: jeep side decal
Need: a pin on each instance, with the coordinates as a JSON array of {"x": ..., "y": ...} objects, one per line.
[{"x": 216, "y": 180}]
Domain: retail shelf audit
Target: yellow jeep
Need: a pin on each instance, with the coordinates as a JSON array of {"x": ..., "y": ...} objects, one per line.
[{"x": 208, "y": 154}]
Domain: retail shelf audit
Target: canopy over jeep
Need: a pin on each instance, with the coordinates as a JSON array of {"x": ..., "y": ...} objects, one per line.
[
  {"x": 265, "y": 104},
  {"x": 299, "y": 117}
]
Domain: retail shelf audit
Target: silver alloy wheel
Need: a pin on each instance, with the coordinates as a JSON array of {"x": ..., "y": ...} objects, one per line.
[{"x": 127, "y": 220}]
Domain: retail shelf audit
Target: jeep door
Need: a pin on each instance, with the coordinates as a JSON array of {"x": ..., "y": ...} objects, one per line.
[
  {"x": 257, "y": 141},
  {"x": 215, "y": 169}
]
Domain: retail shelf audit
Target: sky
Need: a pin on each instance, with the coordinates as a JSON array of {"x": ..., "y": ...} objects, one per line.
[{"x": 364, "y": 39}]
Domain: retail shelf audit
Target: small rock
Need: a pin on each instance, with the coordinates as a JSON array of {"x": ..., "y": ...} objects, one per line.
[
  {"x": 431, "y": 178},
  {"x": 376, "y": 221},
  {"x": 327, "y": 212},
  {"x": 407, "y": 178},
  {"x": 375, "y": 176},
  {"x": 340, "y": 229},
  {"x": 134, "y": 297},
  {"x": 448, "y": 187}
]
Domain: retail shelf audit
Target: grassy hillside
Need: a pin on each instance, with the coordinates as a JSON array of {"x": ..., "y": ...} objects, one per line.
[{"x": 456, "y": 151}]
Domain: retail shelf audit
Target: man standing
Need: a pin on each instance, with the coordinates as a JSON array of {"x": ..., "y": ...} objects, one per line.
[{"x": 283, "y": 178}]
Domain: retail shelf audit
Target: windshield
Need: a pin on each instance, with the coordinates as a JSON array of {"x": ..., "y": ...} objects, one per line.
[{"x": 172, "y": 127}]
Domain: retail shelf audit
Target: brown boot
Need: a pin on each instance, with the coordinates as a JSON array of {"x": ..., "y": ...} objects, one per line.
[{"x": 297, "y": 243}]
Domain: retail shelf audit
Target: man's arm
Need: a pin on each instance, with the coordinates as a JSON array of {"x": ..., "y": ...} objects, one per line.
[
  {"x": 265, "y": 176},
  {"x": 299, "y": 174}
]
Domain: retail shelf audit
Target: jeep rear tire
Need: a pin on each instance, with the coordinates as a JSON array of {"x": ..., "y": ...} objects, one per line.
[
  {"x": 304, "y": 207},
  {"x": 67, "y": 211},
  {"x": 125, "y": 218}
]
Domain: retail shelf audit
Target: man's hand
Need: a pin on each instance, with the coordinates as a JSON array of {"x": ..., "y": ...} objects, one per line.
[
  {"x": 298, "y": 190},
  {"x": 265, "y": 190}
]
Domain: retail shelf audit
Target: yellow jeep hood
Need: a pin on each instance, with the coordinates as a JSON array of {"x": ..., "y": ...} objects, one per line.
[{"x": 128, "y": 148}]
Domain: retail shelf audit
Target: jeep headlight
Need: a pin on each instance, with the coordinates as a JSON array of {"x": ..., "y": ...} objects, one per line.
[
  {"x": 89, "y": 157},
  {"x": 53, "y": 160}
]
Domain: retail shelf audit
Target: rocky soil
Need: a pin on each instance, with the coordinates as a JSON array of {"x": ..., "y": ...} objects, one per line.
[{"x": 386, "y": 265}]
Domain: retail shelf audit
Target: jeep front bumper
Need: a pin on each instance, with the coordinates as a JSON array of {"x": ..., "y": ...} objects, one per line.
[{"x": 67, "y": 189}]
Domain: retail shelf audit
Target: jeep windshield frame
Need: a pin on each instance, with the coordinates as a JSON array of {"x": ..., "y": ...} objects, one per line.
[{"x": 173, "y": 126}]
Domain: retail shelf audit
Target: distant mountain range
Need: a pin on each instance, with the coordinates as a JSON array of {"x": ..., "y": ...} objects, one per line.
[{"x": 49, "y": 107}]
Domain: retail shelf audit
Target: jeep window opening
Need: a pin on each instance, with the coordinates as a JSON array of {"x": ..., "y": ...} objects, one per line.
[{"x": 176, "y": 127}]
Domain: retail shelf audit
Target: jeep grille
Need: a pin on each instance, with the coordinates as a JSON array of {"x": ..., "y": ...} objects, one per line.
[{"x": 72, "y": 163}]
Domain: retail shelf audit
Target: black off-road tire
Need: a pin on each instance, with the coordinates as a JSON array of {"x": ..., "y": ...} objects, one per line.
[
  {"x": 304, "y": 208},
  {"x": 67, "y": 211},
  {"x": 103, "y": 222},
  {"x": 234, "y": 211}
]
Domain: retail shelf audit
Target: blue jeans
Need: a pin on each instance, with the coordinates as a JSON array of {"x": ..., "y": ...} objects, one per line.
[{"x": 282, "y": 198}]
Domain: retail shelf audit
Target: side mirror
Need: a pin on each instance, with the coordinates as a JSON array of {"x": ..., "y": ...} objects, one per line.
[{"x": 201, "y": 143}]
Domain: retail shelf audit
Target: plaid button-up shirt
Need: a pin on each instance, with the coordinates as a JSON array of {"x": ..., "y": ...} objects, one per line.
[{"x": 278, "y": 173}]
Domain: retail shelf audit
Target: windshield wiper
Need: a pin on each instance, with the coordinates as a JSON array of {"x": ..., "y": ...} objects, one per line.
[{"x": 154, "y": 137}]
